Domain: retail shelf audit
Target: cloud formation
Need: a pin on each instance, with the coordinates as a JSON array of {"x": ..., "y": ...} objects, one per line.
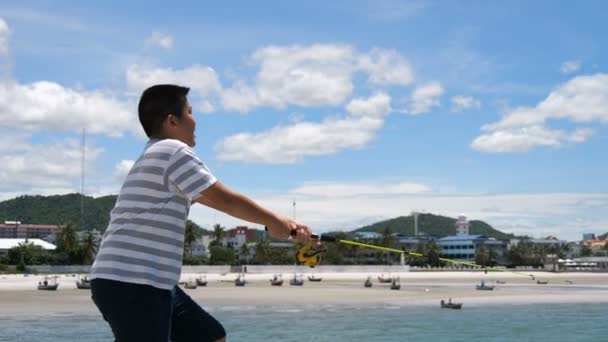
[
  {"x": 461, "y": 103},
  {"x": 570, "y": 67},
  {"x": 425, "y": 97},
  {"x": 315, "y": 75},
  {"x": 289, "y": 144},
  {"x": 582, "y": 100},
  {"x": 160, "y": 40}
]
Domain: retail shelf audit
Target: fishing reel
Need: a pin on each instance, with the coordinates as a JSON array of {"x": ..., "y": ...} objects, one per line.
[{"x": 310, "y": 253}]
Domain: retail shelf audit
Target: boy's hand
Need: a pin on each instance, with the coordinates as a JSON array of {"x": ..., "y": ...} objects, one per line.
[{"x": 286, "y": 228}]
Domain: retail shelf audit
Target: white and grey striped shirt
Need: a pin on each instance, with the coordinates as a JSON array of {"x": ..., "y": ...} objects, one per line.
[{"x": 144, "y": 241}]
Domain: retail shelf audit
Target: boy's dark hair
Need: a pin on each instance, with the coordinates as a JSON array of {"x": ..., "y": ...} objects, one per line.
[{"x": 157, "y": 102}]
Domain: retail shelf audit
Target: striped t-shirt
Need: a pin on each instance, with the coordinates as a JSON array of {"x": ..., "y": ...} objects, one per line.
[{"x": 144, "y": 241}]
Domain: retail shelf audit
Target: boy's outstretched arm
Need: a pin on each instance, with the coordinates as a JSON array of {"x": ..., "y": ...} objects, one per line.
[{"x": 219, "y": 197}]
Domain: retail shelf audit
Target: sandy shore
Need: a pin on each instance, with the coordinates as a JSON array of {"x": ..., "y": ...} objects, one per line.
[{"x": 18, "y": 293}]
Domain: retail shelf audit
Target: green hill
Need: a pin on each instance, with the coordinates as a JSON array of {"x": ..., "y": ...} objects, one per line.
[
  {"x": 59, "y": 209},
  {"x": 62, "y": 209},
  {"x": 434, "y": 225}
]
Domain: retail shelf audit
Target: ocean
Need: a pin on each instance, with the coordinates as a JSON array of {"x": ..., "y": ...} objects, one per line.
[{"x": 520, "y": 322}]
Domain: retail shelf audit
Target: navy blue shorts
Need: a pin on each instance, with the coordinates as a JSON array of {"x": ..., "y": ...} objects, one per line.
[{"x": 145, "y": 313}]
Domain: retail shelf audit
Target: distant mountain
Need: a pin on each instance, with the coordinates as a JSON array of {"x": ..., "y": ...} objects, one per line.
[
  {"x": 59, "y": 209},
  {"x": 603, "y": 237},
  {"x": 62, "y": 209},
  {"x": 434, "y": 225}
]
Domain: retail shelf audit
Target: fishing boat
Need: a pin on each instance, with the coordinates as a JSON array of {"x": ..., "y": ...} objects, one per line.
[
  {"x": 296, "y": 280},
  {"x": 240, "y": 280},
  {"x": 383, "y": 279},
  {"x": 395, "y": 284},
  {"x": 201, "y": 281},
  {"x": 191, "y": 285},
  {"x": 368, "y": 282},
  {"x": 83, "y": 283},
  {"x": 542, "y": 282},
  {"x": 48, "y": 284},
  {"x": 277, "y": 280},
  {"x": 501, "y": 282},
  {"x": 313, "y": 278},
  {"x": 484, "y": 287},
  {"x": 450, "y": 305}
]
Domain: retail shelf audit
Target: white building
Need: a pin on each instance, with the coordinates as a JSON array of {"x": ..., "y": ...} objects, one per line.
[
  {"x": 462, "y": 225},
  {"x": 6, "y": 244}
]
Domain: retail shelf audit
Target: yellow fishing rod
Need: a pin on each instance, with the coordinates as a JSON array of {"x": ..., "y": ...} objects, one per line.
[{"x": 310, "y": 254}]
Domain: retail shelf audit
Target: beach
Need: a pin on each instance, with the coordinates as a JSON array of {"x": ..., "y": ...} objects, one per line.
[{"x": 18, "y": 293}]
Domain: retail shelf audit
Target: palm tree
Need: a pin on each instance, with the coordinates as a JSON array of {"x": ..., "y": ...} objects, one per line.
[
  {"x": 189, "y": 237},
  {"x": 67, "y": 242},
  {"x": 244, "y": 252},
  {"x": 262, "y": 252},
  {"x": 217, "y": 235},
  {"x": 89, "y": 248},
  {"x": 433, "y": 253}
]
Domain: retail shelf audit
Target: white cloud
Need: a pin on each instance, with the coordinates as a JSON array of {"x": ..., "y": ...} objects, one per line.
[
  {"x": 386, "y": 67},
  {"x": 122, "y": 169},
  {"x": 326, "y": 206},
  {"x": 583, "y": 99},
  {"x": 570, "y": 67},
  {"x": 161, "y": 40},
  {"x": 202, "y": 80},
  {"x": 289, "y": 144},
  {"x": 48, "y": 168},
  {"x": 461, "y": 103},
  {"x": 524, "y": 138},
  {"x": 315, "y": 75},
  {"x": 425, "y": 97},
  {"x": 49, "y": 106},
  {"x": 4, "y": 33},
  {"x": 376, "y": 106}
]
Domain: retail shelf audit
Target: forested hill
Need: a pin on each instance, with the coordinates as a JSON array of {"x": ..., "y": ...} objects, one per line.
[
  {"x": 434, "y": 225},
  {"x": 59, "y": 209}
]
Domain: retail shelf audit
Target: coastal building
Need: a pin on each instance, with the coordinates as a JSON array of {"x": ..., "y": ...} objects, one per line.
[
  {"x": 465, "y": 247},
  {"x": 596, "y": 242},
  {"x": 462, "y": 226},
  {"x": 588, "y": 236},
  {"x": 239, "y": 236},
  {"x": 18, "y": 230},
  {"x": 6, "y": 244},
  {"x": 410, "y": 243}
]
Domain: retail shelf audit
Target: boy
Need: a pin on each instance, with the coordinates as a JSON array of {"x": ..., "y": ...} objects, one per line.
[{"x": 136, "y": 271}]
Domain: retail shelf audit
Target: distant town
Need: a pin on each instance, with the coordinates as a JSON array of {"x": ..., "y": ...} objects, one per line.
[{"x": 24, "y": 245}]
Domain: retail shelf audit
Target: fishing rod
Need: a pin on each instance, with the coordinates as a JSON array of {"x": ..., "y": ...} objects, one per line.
[{"x": 310, "y": 254}]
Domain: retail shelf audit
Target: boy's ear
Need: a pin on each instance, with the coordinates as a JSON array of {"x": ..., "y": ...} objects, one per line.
[{"x": 172, "y": 120}]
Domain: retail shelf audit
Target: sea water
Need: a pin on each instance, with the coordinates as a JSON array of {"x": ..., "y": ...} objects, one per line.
[{"x": 521, "y": 322}]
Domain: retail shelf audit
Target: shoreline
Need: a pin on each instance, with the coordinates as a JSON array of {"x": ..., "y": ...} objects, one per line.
[{"x": 19, "y": 296}]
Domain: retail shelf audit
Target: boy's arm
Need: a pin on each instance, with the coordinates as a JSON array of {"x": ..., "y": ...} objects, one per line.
[{"x": 219, "y": 197}]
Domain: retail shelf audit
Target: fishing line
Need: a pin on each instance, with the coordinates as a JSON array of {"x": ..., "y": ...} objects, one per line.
[{"x": 310, "y": 255}]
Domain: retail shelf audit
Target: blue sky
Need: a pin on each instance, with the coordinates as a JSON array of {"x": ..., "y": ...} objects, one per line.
[{"x": 357, "y": 110}]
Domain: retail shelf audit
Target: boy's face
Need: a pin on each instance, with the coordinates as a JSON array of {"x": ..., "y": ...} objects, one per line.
[{"x": 183, "y": 129}]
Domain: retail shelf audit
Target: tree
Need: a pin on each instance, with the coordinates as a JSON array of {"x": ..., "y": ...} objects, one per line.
[
  {"x": 244, "y": 253},
  {"x": 433, "y": 253},
  {"x": 67, "y": 242},
  {"x": 387, "y": 240},
  {"x": 189, "y": 238},
  {"x": 25, "y": 253},
  {"x": 262, "y": 252},
  {"x": 217, "y": 235},
  {"x": 88, "y": 248},
  {"x": 482, "y": 256},
  {"x": 221, "y": 255},
  {"x": 586, "y": 251}
]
